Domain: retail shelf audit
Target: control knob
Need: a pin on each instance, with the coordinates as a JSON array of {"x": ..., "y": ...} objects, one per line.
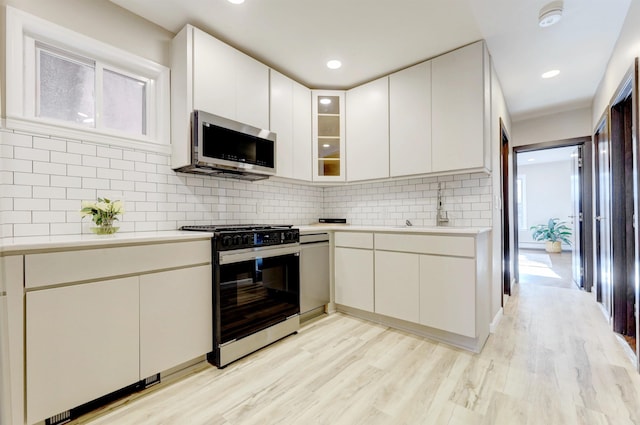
[
  {"x": 226, "y": 240},
  {"x": 247, "y": 239},
  {"x": 237, "y": 240}
]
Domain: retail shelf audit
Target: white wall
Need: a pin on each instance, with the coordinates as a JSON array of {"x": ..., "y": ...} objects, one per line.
[
  {"x": 499, "y": 112},
  {"x": 547, "y": 195},
  {"x": 626, "y": 50},
  {"x": 551, "y": 127}
]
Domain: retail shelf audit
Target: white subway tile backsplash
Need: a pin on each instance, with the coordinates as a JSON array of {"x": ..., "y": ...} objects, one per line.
[
  {"x": 94, "y": 161},
  {"x": 30, "y": 179},
  {"x": 42, "y": 192},
  {"x": 30, "y": 229},
  {"x": 43, "y": 182},
  {"x": 65, "y": 158},
  {"x": 49, "y": 168},
  {"x": 49, "y": 144},
  {"x": 81, "y": 171}
]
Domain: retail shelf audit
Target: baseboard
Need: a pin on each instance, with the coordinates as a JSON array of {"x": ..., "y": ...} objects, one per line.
[{"x": 496, "y": 321}]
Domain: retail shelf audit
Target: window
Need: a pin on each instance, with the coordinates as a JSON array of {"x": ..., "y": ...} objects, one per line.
[
  {"x": 65, "y": 84},
  {"x": 521, "y": 200}
]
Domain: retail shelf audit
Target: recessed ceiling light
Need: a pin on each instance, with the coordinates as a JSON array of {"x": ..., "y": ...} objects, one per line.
[
  {"x": 551, "y": 74},
  {"x": 531, "y": 159},
  {"x": 334, "y": 64},
  {"x": 326, "y": 145},
  {"x": 550, "y": 14},
  {"x": 325, "y": 101},
  {"x": 236, "y": 1}
]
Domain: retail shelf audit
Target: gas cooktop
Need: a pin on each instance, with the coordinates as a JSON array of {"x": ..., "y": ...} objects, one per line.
[{"x": 235, "y": 227}]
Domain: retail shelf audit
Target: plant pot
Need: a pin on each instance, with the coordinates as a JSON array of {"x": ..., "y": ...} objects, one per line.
[{"x": 553, "y": 247}]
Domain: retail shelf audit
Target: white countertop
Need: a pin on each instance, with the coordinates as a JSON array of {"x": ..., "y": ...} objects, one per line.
[
  {"x": 440, "y": 230},
  {"x": 35, "y": 243}
]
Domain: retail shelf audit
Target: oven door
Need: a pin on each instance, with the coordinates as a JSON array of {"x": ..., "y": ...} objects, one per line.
[{"x": 255, "y": 288}]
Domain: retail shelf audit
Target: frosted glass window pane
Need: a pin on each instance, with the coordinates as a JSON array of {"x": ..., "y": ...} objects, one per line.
[
  {"x": 124, "y": 103},
  {"x": 66, "y": 89}
]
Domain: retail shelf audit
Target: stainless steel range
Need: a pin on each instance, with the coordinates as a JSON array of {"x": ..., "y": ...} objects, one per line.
[{"x": 256, "y": 287}]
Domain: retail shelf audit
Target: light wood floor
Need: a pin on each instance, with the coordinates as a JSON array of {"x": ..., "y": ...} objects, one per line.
[{"x": 553, "y": 360}]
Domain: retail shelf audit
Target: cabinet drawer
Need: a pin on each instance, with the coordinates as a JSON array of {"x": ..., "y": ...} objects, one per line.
[
  {"x": 73, "y": 266},
  {"x": 459, "y": 246},
  {"x": 354, "y": 240}
]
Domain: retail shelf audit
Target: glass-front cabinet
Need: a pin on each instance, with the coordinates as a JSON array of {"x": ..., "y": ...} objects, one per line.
[{"x": 328, "y": 135}]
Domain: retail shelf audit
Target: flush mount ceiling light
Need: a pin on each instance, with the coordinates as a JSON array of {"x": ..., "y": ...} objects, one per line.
[
  {"x": 236, "y": 1},
  {"x": 550, "y": 14},
  {"x": 334, "y": 64},
  {"x": 551, "y": 74},
  {"x": 325, "y": 101}
]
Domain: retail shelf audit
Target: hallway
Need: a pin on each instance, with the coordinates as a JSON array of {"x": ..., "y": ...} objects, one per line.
[
  {"x": 552, "y": 360},
  {"x": 538, "y": 267}
]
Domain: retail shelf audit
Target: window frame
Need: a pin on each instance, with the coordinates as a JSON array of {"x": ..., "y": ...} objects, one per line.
[{"x": 26, "y": 33}]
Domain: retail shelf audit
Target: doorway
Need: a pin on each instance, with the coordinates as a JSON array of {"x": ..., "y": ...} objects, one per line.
[
  {"x": 623, "y": 166},
  {"x": 552, "y": 181}
]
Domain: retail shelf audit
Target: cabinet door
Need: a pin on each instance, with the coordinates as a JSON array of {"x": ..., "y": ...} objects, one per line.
[
  {"x": 458, "y": 109},
  {"x": 228, "y": 83},
  {"x": 302, "y": 140},
  {"x": 175, "y": 318},
  {"x": 82, "y": 343},
  {"x": 252, "y": 91},
  {"x": 214, "y": 75},
  {"x": 282, "y": 122},
  {"x": 410, "y": 121},
  {"x": 354, "y": 278},
  {"x": 328, "y": 136},
  {"x": 448, "y": 294},
  {"x": 397, "y": 285},
  {"x": 367, "y": 123}
]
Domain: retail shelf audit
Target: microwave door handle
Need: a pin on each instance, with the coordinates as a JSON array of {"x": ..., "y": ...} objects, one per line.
[{"x": 231, "y": 257}]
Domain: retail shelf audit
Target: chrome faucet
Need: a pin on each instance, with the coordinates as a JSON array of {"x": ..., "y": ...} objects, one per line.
[
  {"x": 408, "y": 223},
  {"x": 441, "y": 215}
]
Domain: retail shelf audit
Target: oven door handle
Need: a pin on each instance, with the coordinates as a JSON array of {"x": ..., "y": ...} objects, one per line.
[{"x": 237, "y": 257}]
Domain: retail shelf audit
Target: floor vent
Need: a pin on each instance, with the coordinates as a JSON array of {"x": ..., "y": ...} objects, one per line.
[
  {"x": 152, "y": 380},
  {"x": 60, "y": 418}
]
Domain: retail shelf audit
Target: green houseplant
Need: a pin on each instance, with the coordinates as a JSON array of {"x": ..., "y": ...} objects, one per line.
[
  {"x": 103, "y": 213},
  {"x": 554, "y": 233}
]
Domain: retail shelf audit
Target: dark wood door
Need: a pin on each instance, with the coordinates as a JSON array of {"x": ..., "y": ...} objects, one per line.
[{"x": 622, "y": 214}]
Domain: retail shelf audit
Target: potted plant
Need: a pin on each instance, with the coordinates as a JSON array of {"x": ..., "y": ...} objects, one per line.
[
  {"x": 554, "y": 233},
  {"x": 103, "y": 213}
]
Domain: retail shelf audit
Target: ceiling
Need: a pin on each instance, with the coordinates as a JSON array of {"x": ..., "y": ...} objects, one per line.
[{"x": 374, "y": 38}]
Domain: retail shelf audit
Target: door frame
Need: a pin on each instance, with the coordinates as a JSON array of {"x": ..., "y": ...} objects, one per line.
[
  {"x": 603, "y": 122},
  {"x": 505, "y": 179},
  {"x": 629, "y": 87},
  {"x": 587, "y": 200}
]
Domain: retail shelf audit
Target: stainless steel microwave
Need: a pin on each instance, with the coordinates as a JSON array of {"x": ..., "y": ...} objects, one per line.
[{"x": 221, "y": 146}]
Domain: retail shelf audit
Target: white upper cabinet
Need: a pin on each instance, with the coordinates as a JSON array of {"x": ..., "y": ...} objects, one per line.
[
  {"x": 410, "y": 121},
  {"x": 368, "y": 131},
  {"x": 328, "y": 114},
  {"x": 210, "y": 75},
  {"x": 229, "y": 83},
  {"x": 290, "y": 106},
  {"x": 460, "y": 110}
]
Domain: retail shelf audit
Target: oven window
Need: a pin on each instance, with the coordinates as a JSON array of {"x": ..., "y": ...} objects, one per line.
[{"x": 256, "y": 294}]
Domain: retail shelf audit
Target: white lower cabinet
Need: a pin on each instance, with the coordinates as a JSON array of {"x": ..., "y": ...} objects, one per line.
[
  {"x": 354, "y": 278},
  {"x": 101, "y": 319},
  {"x": 82, "y": 343},
  {"x": 434, "y": 284},
  {"x": 448, "y": 294},
  {"x": 397, "y": 281},
  {"x": 175, "y": 318}
]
